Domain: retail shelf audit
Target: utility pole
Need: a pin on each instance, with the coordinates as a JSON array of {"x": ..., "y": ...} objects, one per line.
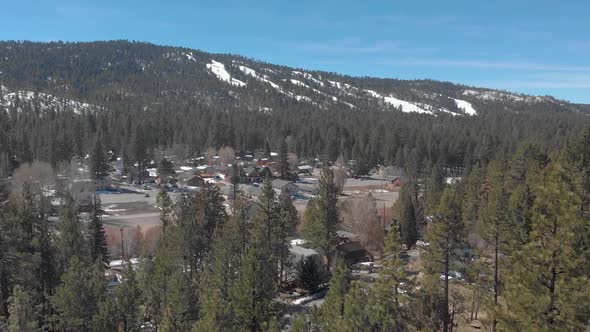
[{"x": 122, "y": 245}]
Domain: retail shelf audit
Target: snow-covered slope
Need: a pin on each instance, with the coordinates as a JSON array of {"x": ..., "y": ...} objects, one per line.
[
  {"x": 218, "y": 69},
  {"x": 404, "y": 106},
  {"x": 465, "y": 106}
]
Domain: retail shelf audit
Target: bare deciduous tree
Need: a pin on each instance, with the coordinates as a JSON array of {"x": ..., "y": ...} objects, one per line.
[
  {"x": 38, "y": 173},
  {"x": 226, "y": 155},
  {"x": 293, "y": 161},
  {"x": 211, "y": 152},
  {"x": 340, "y": 174},
  {"x": 359, "y": 215}
]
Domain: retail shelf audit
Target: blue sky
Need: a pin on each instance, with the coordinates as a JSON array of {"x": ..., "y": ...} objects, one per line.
[{"x": 538, "y": 47}]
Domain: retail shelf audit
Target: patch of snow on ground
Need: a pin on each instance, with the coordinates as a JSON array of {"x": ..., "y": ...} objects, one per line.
[
  {"x": 466, "y": 106},
  {"x": 218, "y": 69}
]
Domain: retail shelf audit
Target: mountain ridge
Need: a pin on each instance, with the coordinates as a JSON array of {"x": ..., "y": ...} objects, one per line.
[{"x": 239, "y": 77}]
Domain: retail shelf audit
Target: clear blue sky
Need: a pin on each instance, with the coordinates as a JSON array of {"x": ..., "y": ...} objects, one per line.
[{"x": 530, "y": 46}]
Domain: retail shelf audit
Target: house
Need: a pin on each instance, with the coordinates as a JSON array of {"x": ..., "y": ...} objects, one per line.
[
  {"x": 252, "y": 173},
  {"x": 305, "y": 169},
  {"x": 352, "y": 253},
  {"x": 280, "y": 185},
  {"x": 298, "y": 253},
  {"x": 195, "y": 181}
]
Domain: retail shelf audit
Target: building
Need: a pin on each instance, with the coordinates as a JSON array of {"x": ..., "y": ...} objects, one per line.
[
  {"x": 352, "y": 253},
  {"x": 280, "y": 185},
  {"x": 195, "y": 181}
]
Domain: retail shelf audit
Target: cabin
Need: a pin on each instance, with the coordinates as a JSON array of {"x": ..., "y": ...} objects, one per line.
[
  {"x": 195, "y": 181},
  {"x": 352, "y": 253},
  {"x": 280, "y": 185}
]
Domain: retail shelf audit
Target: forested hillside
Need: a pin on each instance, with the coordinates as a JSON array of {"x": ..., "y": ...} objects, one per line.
[{"x": 59, "y": 98}]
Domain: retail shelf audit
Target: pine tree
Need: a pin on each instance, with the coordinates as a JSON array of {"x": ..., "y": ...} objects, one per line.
[
  {"x": 434, "y": 188},
  {"x": 549, "y": 289},
  {"x": 322, "y": 218},
  {"x": 333, "y": 307},
  {"x": 97, "y": 241},
  {"x": 120, "y": 311},
  {"x": 287, "y": 220},
  {"x": 268, "y": 217},
  {"x": 70, "y": 241},
  {"x": 283, "y": 161},
  {"x": 180, "y": 311},
  {"x": 165, "y": 169},
  {"x": 385, "y": 300},
  {"x": 446, "y": 237},
  {"x": 408, "y": 227},
  {"x": 474, "y": 190},
  {"x": 166, "y": 207},
  {"x": 356, "y": 313},
  {"x": 22, "y": 312},
  {"x": 98, "y": 160},
  {"x": 254, "y": 293},
  {"x": 495, "y": 224},
  {"x": 526, "y": 163},
  {"x": 76, "y": 301},
  {"x": 310, "y": 275},
  {"x": 219, "y": 277}
]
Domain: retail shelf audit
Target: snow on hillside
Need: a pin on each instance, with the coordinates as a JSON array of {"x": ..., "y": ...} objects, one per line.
[
  {"x": 264, "y": 78},
  {"x": 296, "y": 82},
  {"x": 189, "y": 56},
  {"x": 43, "y": 101},
  {"x": 466, "y": 106},
  {"x": 306, "y": 98},
  {"x": 308, "y": 76},
  {"x": 218, "y": 69},
  {"x": 490, "y": 95},
  {"x": 406, "y": 106}
]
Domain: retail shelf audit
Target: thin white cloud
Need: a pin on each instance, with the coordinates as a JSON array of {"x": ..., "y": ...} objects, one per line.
[{"x": 528, "y": 66}]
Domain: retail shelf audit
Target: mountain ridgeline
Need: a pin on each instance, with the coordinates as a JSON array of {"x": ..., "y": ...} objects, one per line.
[{"x": 59, "y": 98}]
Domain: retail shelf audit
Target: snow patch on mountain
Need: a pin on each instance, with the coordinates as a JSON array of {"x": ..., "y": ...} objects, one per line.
[
  {"x": 308, "y": 76},
  {"x": 264, "y": 78},
  {"x": 218, "y": 69},
  {"x": 305, "y": 98},
  {"x": 43, "y": 102},
  {"x": 405, "y": 106},
  {"x": 296, "y": 82},
  {"x": 490, "y": 95},
  {"x": 466, "y": 106},
  {"x": 190, "y": 56}
]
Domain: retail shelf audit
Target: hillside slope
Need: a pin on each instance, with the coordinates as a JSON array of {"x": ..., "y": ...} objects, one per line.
[{"x": 120, "y": 72}]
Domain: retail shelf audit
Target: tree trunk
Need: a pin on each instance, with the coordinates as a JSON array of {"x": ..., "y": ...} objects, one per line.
[
  {"x": 446, "y": 299},
  {"x": 496, "y": 276}
]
